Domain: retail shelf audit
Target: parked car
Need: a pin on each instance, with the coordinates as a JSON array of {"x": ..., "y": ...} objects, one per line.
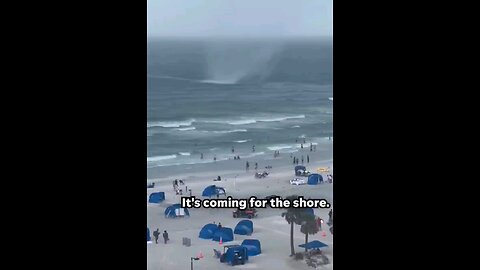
[
  {"x": 247, "y": 213},
  {"x": 298, "y": 181}
]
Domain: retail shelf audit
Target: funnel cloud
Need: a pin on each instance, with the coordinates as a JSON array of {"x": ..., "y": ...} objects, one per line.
[{"x": 230, "y": 62}]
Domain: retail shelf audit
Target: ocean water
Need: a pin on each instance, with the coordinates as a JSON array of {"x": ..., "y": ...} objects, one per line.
[{"x": 207, "y": 96}]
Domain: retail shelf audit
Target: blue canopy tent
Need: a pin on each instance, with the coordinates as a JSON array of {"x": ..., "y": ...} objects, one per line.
[
  {"x": 213, "y": 190},
  {"x": 225, "y": 233},
  {"x": 148, "y": 235},
  {"x": 244, "y": 227},
  {"x": 314, "y": 244},
  {"x": 235, "y": 255},
  {"x": 156, "y": 197},
  {"x": 314, "y": 179},
  {"x": 207, "y": 231},
  {"x": 253, "y": 246},
  {"x": 176, "y": 210}
]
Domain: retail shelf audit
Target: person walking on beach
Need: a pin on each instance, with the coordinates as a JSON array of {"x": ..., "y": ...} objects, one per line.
[
  {"x": 308, "y": 159},
  {"x": 253, "y": 148},
  {"x": 165, "y": 236},
  {"x": 256, "y": 165},
  {"x": 233, "y": 150},
  {"x": 156, "y": 234},
  {"x": 247, "y": 165},
  {"x": 215, "y": 158},
  {"x": 302, "y": 159}
]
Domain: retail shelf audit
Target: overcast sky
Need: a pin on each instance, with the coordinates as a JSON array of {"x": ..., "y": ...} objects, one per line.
[{"x": 239, "y": 18}]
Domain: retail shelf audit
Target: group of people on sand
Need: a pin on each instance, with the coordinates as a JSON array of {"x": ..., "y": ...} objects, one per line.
[
  {"x": 176, "y": 187},
  {"x": 296, "y": 160},
  {"x": 156, "y": 234}
]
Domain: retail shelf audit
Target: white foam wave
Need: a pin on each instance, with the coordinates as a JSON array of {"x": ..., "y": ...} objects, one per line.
[
  {"x": 184, "y": 153},
  {"x": 248, "y": 121},
  {"x": 160, "y": 158},
  {"x": 279, "y": 147},
  {"x": 330, "y": 98},
  {"x": 279, "y": 119},
  {"x": 170, "y": 124},
  {"x": 242, "y": 141},
  {"x": 228, "y": 131},
  {"x": 185, "y": 129},
  {"x": 242, "y": 122},
  {"x": 295, "y": 126}
]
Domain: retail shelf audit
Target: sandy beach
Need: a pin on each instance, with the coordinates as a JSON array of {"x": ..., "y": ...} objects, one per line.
[{"x": 269, "y": 227}]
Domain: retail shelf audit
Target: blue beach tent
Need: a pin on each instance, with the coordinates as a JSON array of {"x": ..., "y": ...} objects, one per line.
[
  {"x": 225, "y": 233},
  {"x": 244, "y": 227},
  {"x": 314, "y": 179},
  {"x": 207, "y": 231},
  {"x": 253, "y": 247},
  {"x": 176, "y": 210},
  {"x": 213, "y": 190},
  {"x": 156, "y": 197}
]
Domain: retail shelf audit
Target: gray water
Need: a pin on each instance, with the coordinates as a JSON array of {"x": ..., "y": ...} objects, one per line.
[{"x": 208, "y": 96}]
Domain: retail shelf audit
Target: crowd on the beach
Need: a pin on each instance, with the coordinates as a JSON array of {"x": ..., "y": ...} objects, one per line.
[
  {"x": 176, "y": 187},
  {"x": 276, "y": 153}
]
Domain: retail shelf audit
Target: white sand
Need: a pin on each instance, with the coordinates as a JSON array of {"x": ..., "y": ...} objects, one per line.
[{"x": 269, "y": 227}]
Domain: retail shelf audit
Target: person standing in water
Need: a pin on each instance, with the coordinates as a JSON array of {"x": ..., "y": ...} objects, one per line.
[
  {"x": 308, "y": 159},
  {"x": 233, "y": 150},
  {"x": 201, "y": 155},
  {"x": 247, "y": 165}
]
